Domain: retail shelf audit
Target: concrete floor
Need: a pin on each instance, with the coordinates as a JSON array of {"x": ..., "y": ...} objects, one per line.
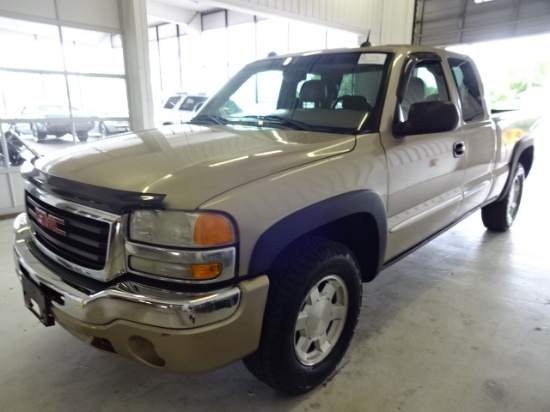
[{"x": 463, "y": 324}]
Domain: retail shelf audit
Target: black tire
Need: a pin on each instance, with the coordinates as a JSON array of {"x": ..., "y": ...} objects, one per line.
[
  {"x": 499, "y": 216},
  {"x": 312, "y": 309},
  {"x": 37, "y": 135},
  {"x": 82, "y": 136}
]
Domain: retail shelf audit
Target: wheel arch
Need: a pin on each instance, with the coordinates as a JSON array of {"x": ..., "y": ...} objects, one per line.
[
  {"x": 524, "y": 153},
  {"x": 356, "y": 219}
]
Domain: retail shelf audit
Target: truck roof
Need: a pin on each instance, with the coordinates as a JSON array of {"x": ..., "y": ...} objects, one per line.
[{"x": 391, "y": 48}]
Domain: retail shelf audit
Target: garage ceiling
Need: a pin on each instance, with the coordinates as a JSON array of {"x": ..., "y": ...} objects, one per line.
[
  {"x": 175, "y": 11},
  {"x": 357, "y": 16},
  {"x": 447, "y": 22}
]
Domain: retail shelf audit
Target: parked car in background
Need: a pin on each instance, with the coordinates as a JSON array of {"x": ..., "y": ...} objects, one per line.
[
  {"x": 181, "y": 107},
  {"x": 57, "y": 122},
  {"x": 108, "y": 127}
]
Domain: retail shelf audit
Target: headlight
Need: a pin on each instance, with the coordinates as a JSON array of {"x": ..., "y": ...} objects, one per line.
[
  {"x": 182, "y": 246},
  {"x": 181, "y": 229}
]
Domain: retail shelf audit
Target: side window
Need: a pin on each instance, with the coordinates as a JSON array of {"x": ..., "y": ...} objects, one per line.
[
  {"x": 468, "y": 89},
  {"x": 426, "y": 83}
]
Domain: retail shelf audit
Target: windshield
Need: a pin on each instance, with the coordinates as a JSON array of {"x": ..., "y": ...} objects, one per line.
[
  {"x": 336, "y": 93},
  {"x": 171, "y": 102},
  {"x": 190, "y": 103}
]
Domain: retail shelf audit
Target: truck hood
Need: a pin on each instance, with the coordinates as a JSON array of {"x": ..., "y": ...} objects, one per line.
[{"x": 190, "y": 164}]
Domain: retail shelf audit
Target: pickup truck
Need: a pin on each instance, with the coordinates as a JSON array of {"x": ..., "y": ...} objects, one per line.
[{"x": 247, "y": 232}]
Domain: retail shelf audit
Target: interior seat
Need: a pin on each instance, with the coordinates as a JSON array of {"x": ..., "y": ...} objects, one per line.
[
  {"x": 415, "y": 93},
  {"x": 313, "y": 94}
]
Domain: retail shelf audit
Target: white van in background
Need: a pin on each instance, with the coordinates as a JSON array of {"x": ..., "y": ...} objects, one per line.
[{"x": 181, "y": 107}]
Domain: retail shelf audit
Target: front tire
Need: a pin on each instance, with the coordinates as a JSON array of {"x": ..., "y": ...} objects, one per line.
[
  {"x": 312, "y": 310},
  {"x": 38, "y": 136},
  {"x": 82, "y": 136},
  {"x": 499, "y": 216}
]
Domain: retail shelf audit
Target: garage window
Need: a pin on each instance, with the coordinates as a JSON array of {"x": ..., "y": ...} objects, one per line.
[{"x": 57, "y": 82}]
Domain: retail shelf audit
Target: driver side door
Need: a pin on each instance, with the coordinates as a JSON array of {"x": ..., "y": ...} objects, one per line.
[{"x": 425, "y": 174}]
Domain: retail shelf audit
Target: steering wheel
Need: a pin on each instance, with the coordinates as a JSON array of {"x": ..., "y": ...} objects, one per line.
[
  {"x": 339, "y": 99},
  {"x": 352, "y": 102}
]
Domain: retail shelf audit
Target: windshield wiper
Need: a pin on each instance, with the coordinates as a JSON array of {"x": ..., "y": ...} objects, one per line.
[
  {"x": 283, "y": 121},
  {"x": 207, "y": 119}
]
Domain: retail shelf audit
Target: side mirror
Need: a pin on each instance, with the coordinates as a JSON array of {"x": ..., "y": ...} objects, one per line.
[{"x": 428, "y": 117}]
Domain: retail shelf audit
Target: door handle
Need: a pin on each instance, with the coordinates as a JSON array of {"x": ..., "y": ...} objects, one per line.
[{"x": 459, "y": 148}]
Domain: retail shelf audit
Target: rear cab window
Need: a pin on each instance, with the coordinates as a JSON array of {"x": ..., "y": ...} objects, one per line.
[{"x": 469, "y": 92}]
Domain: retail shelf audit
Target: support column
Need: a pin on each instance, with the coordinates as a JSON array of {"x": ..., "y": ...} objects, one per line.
[{"x": 135, "y": 41}]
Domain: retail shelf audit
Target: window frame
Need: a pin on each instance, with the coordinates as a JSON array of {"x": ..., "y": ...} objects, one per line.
[{"x": 479, "y": 113}]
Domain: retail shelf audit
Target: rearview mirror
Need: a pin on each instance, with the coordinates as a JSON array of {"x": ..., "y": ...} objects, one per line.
[{"x": 428, "y": 117}]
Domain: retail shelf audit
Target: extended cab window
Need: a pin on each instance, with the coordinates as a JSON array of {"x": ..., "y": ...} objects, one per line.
[
  {"x": 468, "y": 89},
  {"x": 426, "y": 83}
]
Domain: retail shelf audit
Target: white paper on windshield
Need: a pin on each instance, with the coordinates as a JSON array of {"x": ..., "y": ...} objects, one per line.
[{"x": 372, "y": 58}]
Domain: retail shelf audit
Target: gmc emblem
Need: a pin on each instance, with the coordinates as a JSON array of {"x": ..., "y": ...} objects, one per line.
[{"x": 50, "y": 222}]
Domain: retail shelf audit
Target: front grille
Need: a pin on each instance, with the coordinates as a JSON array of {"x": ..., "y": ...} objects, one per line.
[{"x": 78, "y": 239}]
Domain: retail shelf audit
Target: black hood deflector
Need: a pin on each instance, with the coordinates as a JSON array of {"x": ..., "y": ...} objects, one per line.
[{"x": 109, "y": 200}]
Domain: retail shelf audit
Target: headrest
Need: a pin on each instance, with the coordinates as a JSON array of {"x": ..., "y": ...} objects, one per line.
[
  {"x": 313, "y": 91},
  {"x": 416, "y": 87}
]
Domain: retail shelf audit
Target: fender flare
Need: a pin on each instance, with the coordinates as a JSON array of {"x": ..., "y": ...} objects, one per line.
[
  {"x": 366, "y": 204},
  {"x": 522, "y": 146}
]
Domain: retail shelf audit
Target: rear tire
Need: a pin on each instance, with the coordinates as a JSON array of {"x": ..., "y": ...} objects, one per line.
[
  {"x": 499, "y": 216},
  {"x": 103, "y": 130},
  {"x": 312, "y": 310}
]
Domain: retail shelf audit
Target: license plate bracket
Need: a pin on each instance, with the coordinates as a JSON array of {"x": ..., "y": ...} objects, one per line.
[{"x": 37, "y": 302}]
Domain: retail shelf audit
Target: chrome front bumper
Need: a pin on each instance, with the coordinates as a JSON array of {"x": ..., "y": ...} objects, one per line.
[
  {"x": 125, "y": 300},
  {"x": 132, "y": 316}
]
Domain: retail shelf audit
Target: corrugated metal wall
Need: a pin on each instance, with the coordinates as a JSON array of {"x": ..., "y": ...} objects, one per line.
[
  {"x": 446, "y": 22},
  {"x": 345, "y": 13},
  {"x": 389, "y": 21},
  {"x": 102, "y": 14}
]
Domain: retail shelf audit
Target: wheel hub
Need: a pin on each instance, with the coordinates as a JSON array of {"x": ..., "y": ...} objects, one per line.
[
  {"x": 318, "y": 318},
  {"x": 321, "y": 320}
]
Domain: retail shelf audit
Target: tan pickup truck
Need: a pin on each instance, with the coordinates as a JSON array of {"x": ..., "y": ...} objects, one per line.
[{"x": 247, "y": 233}]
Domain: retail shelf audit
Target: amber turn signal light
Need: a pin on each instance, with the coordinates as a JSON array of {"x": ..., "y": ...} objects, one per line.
[
  {"x": 211, "y": 230},
  {"x": 206, "y": 271}
]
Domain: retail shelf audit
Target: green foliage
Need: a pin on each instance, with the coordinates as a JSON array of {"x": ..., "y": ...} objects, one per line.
[
  {"x": 519, "y": 82},
  {"x": 346, "y": 87}
]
